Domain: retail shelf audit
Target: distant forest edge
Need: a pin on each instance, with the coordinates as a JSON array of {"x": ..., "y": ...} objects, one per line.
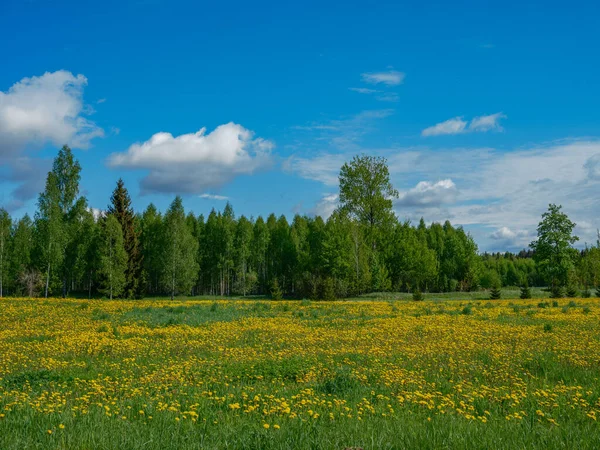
[{"x": 361, "y": 248}]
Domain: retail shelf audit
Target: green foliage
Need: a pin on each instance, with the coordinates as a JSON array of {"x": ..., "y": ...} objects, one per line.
[
  {"x": 366, "y": 193},
  {"x": 571, "y": 291},
  {"x": 276, "y": 293},
  {"x": 553, "y": 249},
  {"x": 525, "y": 292},
  {"x": 122, "y": 210},
  {"x": 495, "y": 293},
  {"x": 556, "y": 292},
  {"x": 113, "y": 258},
  {"x": 179, "y": 252},
  {"x": 417, "y": 296}
]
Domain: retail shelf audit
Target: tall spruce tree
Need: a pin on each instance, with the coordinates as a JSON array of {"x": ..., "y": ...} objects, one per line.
[{"x": 122, "y": 210}]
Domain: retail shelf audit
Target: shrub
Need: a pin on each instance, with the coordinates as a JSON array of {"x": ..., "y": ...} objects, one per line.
[
  {"x": 586, "y": 310},
  {"x": 276, "y": 293},
  {"x": 556, "y": 292},
  {"x": 547, "y": 327},
  {"x": 586, "y": 293},
  {"x": 571, "y": 291},
  {"x": 598, "y": 291},
  {"x": 467, "y": 310},
  {"x": 554, "y": 304},
  {"x": 525, "y": 292},
  {"x": 417, "y": 296},
  {"x": 495, "y": 293}
]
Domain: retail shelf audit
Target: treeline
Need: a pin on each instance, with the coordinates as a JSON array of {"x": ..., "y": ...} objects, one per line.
[{"x": 362, "y": 247}]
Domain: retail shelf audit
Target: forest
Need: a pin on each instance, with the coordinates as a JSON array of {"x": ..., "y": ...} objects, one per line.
[{"x": 68, "y": 250}]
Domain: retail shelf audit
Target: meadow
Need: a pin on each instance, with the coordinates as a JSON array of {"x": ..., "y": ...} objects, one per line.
[{"x": 78, "y": 374}]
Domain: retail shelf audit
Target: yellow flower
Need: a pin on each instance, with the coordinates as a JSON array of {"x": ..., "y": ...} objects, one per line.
[
  {"x": 266, "y": 426},
  {"x": 61, "y": 426},
  {"x": 276, "y": 426}
]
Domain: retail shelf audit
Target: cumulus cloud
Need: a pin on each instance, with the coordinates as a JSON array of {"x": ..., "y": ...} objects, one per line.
[
  {"x": 194, "y": 162},
  {"x": 45, "y": 109},
  {"x": 389, "y": 78},
  {"x": 426, "y": 193},
  {"x": 458, "y": 125},
  {"x": 505, "y": 233},
  {"x": 326, "y": 206},
  {"x": 40, "y": 110}
]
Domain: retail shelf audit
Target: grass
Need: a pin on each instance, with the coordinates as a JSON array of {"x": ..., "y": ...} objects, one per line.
[{"x": 188, "y": 374}]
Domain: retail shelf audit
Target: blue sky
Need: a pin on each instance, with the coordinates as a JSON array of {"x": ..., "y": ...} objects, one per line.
[{"x": 486, "y": 112}]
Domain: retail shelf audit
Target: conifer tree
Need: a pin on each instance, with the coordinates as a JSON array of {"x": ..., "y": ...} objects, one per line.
[
  {"x": 122, "y": 210},
  {"x": 276, "y": 293},
  {"x": 495, "y": 293},
  {"x": 525, "y": 291}
]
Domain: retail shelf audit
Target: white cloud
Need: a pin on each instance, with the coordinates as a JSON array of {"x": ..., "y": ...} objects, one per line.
[
  {"x": 101, "y": 100},
  {"x": 326, "y": 206},
  {"x": 324, "y": 168},
  {"x": 451, "y": 126},
  {"x": 426, "y": 193},
  {"x": 506, "y": 234},
  {"x": 487, "y": 123},
  {"x": 45, "y": 109},
  {"x": 389, "y": 78},
  {"x": 192, "y": 163},
  {"x": 388, "y": 97},
  {"x": 36, "y": 111},
  {"x": 458, "y": 125},
  {"x": 97, "y": 213},
  {"x": 213, "y": 197}
]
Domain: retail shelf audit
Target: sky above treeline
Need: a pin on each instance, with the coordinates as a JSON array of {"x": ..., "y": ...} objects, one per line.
[{"x": 486, "y": 112}]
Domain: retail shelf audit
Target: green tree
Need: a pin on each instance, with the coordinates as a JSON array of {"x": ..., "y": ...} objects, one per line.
[
  {"x": 180, "y": 250},
  {"x": 58, "y": 208},
  {"x": 21, "y": 249},
  {"x": 152, "y": 241},
  {"x": 366, "y": 193},
  {"x": 525, "y": 291},
  {"x": 553, "y": 249},
  {"x": 5, "y": 232},
  {"x": 113, "y": 258},
  {"x": 121, "y": 208}
]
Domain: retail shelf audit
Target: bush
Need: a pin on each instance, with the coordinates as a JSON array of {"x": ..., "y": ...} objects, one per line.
[
  {"x": 554, "y": 304},
  {"x": 276, "y": 293},
  {"x": 571, "y": 291},
  {"x": 556, "y": 292},
  {"x": 495, "y": 293},
  {"x": 417, "y": 296},
  {"x": 586, "y": 293},
  {"x": 598, "y": 292},
  {"x": 467, "y": 310},
  {"x": 525, "y": 292},
  {"x": 586, "y": 310},
  {"x": 547, "y": 327}
]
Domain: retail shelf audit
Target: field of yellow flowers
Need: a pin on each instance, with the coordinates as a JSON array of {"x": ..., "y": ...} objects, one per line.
[{"x": 276, "y": 375}]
